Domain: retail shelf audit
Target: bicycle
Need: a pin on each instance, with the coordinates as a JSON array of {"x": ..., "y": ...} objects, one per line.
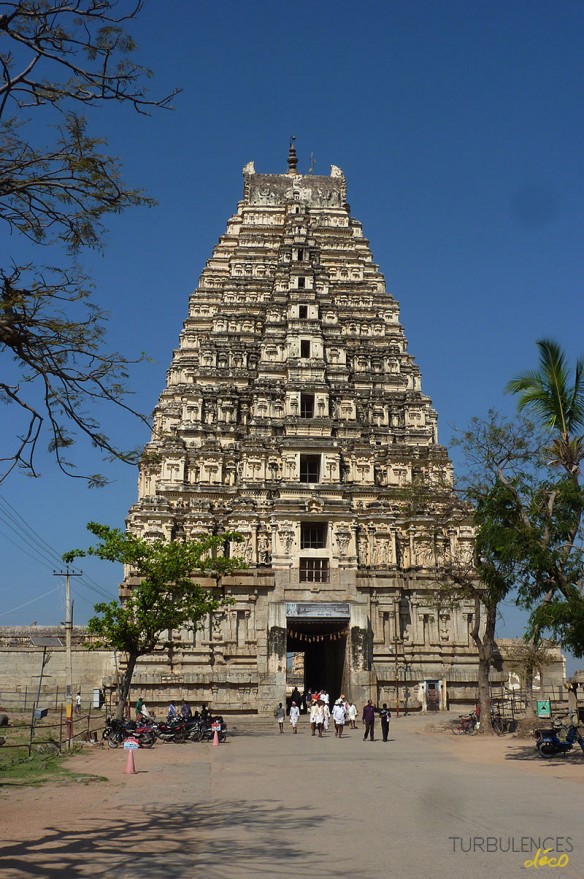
[
  {"x": 467, "y": 724},
  {"x": 499, "y": 724}
]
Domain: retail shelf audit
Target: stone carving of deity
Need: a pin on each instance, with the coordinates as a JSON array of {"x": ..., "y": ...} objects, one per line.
[
  {"x": 363, "y": 545},
  {"x": 444, "y": 627},
  {"x": 210, "y": 412},
  {"x": 247, "y": 549},
  {"x": 424, "y": 555},
  {"x": 263, "y": 549},
  {"x": 379, "y": 551},
  {"x": 287, "y": 539},
  {"x": 343, "y": 539},
  {"x": 465, "y": 552}
]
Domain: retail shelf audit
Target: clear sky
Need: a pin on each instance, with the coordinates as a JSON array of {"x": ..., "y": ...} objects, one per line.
[{"x": 460, "y": 128}]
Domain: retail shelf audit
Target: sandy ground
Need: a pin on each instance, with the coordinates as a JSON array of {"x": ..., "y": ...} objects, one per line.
[
  {"x": 509, "y": 750},
  {"x": 218, "y": 808}
]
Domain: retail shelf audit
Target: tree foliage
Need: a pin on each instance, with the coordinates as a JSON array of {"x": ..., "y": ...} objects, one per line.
[
  {"x": 555, "y": 398},
  {"x": 548, "y": 528},
  {"x": 164, "y": 595},
  {"x": 59, "y": 61},
  {"x": 495, "y": 451}
]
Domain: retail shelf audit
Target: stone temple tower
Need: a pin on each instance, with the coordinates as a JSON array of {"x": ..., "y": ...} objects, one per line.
[{"x": 293, "y": 414}]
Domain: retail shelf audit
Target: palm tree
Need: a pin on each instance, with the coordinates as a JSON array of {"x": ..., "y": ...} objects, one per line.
[{"x": 556, "y": 398}]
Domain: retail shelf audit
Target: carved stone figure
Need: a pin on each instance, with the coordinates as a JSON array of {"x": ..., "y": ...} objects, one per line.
[
  {"x": 264, "y": 555},
  {"x": 343, "y": 540},
  {"x": 363, "y": 544},
  {"x": 287, "y": 538}
]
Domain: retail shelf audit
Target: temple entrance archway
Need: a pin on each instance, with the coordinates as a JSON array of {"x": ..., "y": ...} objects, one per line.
[{"x": 320, "y": 633}]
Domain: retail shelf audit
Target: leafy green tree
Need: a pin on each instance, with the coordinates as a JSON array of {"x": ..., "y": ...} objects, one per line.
[
  {"x": 549, "y": 530},
  {"x": 163, "y": 595},
  {"x": 60, "y": 60},
  {"x": 496, "y": 454},
  {"x": 522, "y": 484}
]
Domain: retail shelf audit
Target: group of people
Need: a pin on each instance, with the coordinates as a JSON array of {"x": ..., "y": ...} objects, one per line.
[
  {"x": 183, "y": 712},
  {"x": 369, "y": 712},
  {"x": 342, "y": 712}
]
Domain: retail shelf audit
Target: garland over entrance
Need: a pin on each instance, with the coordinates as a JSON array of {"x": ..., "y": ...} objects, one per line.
[{"x": 331, "y": 636}]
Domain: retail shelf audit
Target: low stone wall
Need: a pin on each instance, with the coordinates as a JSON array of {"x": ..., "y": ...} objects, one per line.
[{"x": 21, "y": 664}]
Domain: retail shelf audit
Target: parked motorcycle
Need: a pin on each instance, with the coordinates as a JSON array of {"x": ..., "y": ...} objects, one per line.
[
  {"x": 551, "y": 742},
  {"x": 202, "y": 730},
  {"x": 171, "y": 731},
  {"x": 116, "y": 731}
]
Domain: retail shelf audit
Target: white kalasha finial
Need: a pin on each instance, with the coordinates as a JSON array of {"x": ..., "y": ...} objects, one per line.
[
  {"x": 336, "y": 171},
  {"x": 249, "y": 168}
]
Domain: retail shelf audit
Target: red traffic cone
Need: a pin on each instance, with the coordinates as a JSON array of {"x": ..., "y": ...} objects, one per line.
[
  {"x": 130, "y": 767},
  {"x": 216, "y": 738}
]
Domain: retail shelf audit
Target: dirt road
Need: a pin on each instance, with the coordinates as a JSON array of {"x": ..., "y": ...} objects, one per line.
[{"x": 265, "y": 803}]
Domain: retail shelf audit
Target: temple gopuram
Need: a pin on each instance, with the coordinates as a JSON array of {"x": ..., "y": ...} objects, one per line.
[{"x": 293, "y": 413}]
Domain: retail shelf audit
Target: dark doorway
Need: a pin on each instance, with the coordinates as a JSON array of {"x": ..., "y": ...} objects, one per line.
[
  {"x": 433, "y": 695},
  {"x": 324, "y": 644}
]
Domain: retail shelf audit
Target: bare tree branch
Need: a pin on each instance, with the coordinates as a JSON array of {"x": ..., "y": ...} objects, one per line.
[{"x": 58, "y": 185}]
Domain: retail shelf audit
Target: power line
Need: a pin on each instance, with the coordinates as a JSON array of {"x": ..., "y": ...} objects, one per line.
[
  {"x": 37, "y": 548},
  {"x": 21, "y": 549},
  {"x": 26, "y": 604},
  {"x": 32, "y": 534}
]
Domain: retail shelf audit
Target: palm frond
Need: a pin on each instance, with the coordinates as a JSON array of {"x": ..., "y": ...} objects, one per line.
[{"x": 550, "y": 392}]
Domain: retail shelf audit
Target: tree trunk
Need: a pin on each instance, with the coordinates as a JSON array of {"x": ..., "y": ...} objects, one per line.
[
  {"x": 125, "y": 685},
  {"x": 530, "y": 706},
  {"x": 485, "y": 645}
]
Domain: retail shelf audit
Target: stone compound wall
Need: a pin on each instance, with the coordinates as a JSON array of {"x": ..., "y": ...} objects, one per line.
[{"x": 20, "y": 666}]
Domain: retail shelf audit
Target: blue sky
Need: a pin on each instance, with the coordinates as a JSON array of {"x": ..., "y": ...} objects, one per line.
[{"x": 459, "y": 126}]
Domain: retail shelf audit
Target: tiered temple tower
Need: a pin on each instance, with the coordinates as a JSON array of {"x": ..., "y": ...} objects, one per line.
[{"x": 293, "y": 413}]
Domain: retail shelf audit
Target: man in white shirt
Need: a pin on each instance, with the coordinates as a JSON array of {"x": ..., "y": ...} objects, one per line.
[
  {"x": 339, "y": 717},
  {"x": 294, "y": 715}
]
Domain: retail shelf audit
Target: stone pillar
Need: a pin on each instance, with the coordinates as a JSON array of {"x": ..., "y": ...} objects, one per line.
[
  {"x": 443, "y": 702},
  {"x": 362, "y": 682},
  {"x": 272, "y": 686}
]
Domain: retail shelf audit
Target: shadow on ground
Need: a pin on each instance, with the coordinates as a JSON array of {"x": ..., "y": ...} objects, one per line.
[
  {"x": 150, "y": 842},
  {"x": 527, "y": 752}
]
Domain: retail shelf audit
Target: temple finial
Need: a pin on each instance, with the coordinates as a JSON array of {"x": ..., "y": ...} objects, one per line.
[{"x": 292, "y": 157}]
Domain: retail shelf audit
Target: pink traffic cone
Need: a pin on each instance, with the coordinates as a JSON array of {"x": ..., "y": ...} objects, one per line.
[
  {"x": 216, "y": 738},
  {"x": 130, "y": 767}
]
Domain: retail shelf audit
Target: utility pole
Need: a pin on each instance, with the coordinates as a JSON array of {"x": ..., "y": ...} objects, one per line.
[{"x": 68, "y": 654}]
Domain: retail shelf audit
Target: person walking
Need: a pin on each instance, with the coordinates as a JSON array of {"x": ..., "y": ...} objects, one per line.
[
  {"x": 313, "y": 711},
  {"x": 319, "y": 717},
  {"x": 339, "y": 717},
  {"x": 303, "y": 708},
  {"x": 280, "y": 716},
  {"x": 369, "y": 720},
  {"x": 78, "y": 702},
  {"x": 294, "y": 715},
  {"x": 352, "y": 714},
  {"x": 385, "y": 717}
]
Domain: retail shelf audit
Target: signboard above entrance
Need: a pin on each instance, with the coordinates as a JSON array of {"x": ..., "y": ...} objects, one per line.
[{"x": 318, "y": 610}]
